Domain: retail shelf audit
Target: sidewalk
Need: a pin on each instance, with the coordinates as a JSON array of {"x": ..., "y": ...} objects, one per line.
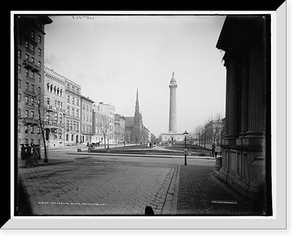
[{"x": 201, "y": 193}]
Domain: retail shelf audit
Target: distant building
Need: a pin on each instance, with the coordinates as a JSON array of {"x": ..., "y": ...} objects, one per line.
[
  {"x": 104, "y": 123},
  {"x": 96, "y": 125},
  {"x": 86, "y": 131},
  {"x": 29, "y": 34},
  {"x": 73, "y": 100},
  {"x": 119, "y": 128}
]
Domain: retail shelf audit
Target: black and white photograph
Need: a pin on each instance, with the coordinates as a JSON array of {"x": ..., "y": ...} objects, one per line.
[{"x": 143, "y": 115}]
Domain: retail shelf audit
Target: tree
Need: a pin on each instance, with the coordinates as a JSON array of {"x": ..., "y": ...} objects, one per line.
[
  {"x": 41, "y": 123},
  {"x": 105, "y": 127}
]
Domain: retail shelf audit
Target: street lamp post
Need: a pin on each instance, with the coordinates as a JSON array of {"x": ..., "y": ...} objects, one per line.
[{"x": 185, "y": 152}]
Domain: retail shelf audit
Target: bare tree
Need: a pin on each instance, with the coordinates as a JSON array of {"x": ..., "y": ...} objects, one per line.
[
  {"x": 42, "y": 123},
  {"x": 105, "y": 128}
]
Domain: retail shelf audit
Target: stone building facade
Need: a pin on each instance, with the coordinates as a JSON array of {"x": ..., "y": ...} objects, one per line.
[
  {"x": 29, "y": 36},
  {"x": 245, "y": 147},
  {"x": 86, "y": 131},
  {"x": 73, "y": 105},
  {"x": 55, "y": 108}
]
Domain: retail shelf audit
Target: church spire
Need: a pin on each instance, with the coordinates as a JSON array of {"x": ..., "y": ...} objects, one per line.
[
  {"x": 137, "y": 106},
  {"x": 137, "y": 97}
]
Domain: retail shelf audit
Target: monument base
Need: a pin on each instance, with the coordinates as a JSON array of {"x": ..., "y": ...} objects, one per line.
[{"x": 172, "y": 137}]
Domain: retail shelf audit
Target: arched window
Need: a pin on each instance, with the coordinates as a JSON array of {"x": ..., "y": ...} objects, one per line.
[
  {"x": 67, "y": 137},
  {"x": 48, "y": 87}
]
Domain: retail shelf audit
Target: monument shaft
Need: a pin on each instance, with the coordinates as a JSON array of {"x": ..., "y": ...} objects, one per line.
[{"x": 172, "y": 114}]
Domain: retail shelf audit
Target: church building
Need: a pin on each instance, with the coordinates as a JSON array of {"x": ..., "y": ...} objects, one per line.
[{"x": 134, "y": 128}]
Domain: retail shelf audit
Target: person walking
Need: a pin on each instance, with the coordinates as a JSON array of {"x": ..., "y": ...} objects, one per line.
[
  {"x": 28, "y": 151},
  {"x": 213, "y": 150},
  {"x": 23, "y": 152}
]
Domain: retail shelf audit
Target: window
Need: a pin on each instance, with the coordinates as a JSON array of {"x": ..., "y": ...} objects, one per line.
[
  {"x": 19, "y": 97},
  {"x": 48, "y": 101},
  {"x": 19, "y": 83},
  {"x": 83, "y": 106},
  {"x": 26, "y": 44},
  {"x": 19, "y": 128},
  {"x": 77, "y": 112},
  {"x": 39, "y": 39},
  {"x": 19, "y": 53},
  {"x": 39, "y": 90},
  {"x": 26, "y": 72},
  {"x": 31, "y": 114},
  {"x": 31, "y": 47},
  {"x": 32, "y": 88},
  {"x": 73, "y": 100},
  {"x": 26, "y": 57},
  {"x": 19, "y": 68},
  {"x": 31, "y": 74},
  {"x": 32, "y": 101},
  {"x": 68, "y": 99},
  {"x": 83, "y": 117},
  {"x": 32, "y": 34},
  {"x": 68, "y": 110},
  {"x": 77, "y": 102},
  {"x": 32, "y": 129},
  {"x": 26, "y": 99},
  {"x": 39, "y": 77},
  {"x": 39, "y": 52},
  {"x": 32, "y": 59},
  {"x": 73, "y": 111},
  {"x": 26, "y": 130},
  {"x": 19, "y": 113}
]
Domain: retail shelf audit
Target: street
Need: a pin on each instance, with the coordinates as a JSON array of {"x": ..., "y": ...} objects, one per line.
[{"x": 110, "y": 184}]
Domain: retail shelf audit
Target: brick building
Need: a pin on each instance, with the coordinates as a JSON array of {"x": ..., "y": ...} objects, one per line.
[{"x": 29, "y": 37}]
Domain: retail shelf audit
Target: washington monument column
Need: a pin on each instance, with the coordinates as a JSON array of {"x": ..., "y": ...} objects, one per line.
[{"x": 172, "y": 114}]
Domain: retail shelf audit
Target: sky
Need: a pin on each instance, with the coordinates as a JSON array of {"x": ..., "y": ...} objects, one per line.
[{"x": 111, "y": 57}]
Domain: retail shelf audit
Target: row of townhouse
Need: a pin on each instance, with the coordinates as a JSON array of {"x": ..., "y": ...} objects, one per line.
[{"x": 73, "y": 118}]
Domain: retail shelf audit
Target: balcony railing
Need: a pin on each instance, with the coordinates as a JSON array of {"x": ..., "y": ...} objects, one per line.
[
  {"x": 31, "y": 66},
  {"x": 30, "y": 121}
]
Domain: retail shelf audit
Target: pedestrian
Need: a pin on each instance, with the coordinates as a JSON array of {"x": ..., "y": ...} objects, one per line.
[
  {"x": 23, "y": 152},
  {"x": 150, "y": 144},
  {"x": 34, "y": 151},
  {"x": 213, "y": 150},
  {"x": 38, "y": 149},
  {"x": 28, "y": 151}
]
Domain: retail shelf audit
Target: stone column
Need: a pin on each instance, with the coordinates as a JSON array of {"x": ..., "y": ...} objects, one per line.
[
  {"x": 256, "y": 101},
  {"x": 244, "y": 98},
  {"x": 232, "y": 94}
]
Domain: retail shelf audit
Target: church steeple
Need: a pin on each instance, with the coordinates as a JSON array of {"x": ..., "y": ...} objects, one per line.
[
  {"x": 137, "y": 107},
  {"x": 137, "y": 99},
  {"x": 138, "y": 122}
]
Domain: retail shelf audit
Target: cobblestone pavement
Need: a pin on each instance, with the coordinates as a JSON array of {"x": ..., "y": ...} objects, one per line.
[
  {"x": 202, "y": 193},
  {"x": 93, "y": 186}
]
